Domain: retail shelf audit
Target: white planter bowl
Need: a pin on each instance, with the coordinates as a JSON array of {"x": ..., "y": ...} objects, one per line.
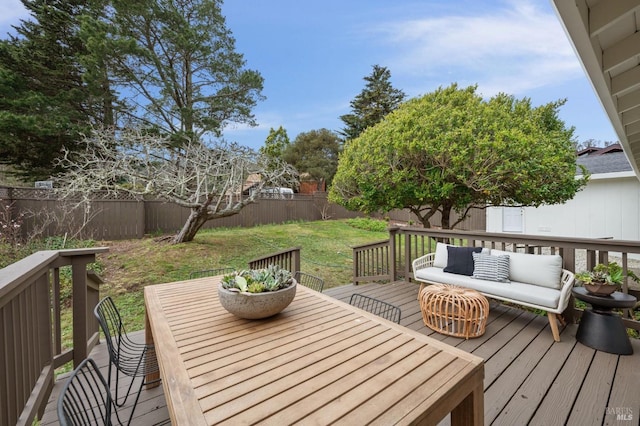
[{"x": 256, "y": 305}]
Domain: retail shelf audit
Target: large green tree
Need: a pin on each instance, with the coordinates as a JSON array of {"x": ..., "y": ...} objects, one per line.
[
  {"x": 315, "y": 153},
  {"x": 174, "y": 64},
  {"x": 44, "y": 103},
  {"x": 377, "y": 99},
  {"x": 450, "y": 150}
]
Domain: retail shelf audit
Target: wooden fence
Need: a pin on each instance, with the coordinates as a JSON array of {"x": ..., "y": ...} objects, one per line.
[{"x": 126, "y": 217}]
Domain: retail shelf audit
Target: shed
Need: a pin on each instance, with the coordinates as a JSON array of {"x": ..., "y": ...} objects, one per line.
[{"x": 608, "y": 207}]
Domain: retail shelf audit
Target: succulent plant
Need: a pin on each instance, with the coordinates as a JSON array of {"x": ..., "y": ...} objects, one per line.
[
  {"x": 607, "y": 274},
  {"x": 271, "y": 278}
]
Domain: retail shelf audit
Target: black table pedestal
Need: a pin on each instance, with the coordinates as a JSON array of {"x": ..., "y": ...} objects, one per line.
[
  {"x": 604, "y": 332},
  {"x": 600, "y": 328}
]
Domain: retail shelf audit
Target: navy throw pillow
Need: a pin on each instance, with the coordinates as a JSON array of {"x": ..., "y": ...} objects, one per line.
[{"x": 460, "y": 260}]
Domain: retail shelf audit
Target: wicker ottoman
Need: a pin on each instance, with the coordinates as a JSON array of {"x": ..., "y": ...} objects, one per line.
[{"x": 455, "y": 311}]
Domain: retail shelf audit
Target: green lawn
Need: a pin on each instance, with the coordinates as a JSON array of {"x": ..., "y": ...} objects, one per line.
[{"x": 326, "y": 251}]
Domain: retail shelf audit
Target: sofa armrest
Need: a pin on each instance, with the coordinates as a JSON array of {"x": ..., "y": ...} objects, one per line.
[
  {"x": 423, "y": 262},
  {"x": 566, "y": 281}
]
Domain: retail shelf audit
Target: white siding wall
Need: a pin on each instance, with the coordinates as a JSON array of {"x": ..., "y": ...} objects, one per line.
[{"x": 608, "y": 207}]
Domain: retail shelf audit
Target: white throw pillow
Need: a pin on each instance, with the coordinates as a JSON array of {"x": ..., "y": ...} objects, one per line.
[
  {"x": 540, "y": 269},
  {"x": 442, "y": 255}
]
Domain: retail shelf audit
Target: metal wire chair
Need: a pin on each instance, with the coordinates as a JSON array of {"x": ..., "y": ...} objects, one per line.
[
  {"x": 377, "y": 307},
  {"x": 86, "y": 398},
  {"x": 308, "y": 280},
  {"x": 130, "y": 358},
  {"x": 210, "y": 272}
]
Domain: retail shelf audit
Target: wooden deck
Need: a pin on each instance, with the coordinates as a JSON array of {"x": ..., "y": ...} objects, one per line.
[{"x": 529, "y": 379}]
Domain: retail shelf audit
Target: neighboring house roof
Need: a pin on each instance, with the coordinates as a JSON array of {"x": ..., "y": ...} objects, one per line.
[
  {"x": 610, "y": 159},
  {"x": 587, "y": 151},
  {"x": 605, "y": 36},
  {"x": 252, "y": 180},
  {"x": 611, "y": 148}
]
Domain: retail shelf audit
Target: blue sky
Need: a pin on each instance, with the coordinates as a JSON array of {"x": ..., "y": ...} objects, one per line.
[{"x": 314, "y": 55}]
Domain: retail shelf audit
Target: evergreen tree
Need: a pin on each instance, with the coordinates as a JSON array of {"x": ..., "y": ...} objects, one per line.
[
  {"x": 177, "y": 63},
  {"x": 376, "y": 100},
  {"x": 44, "y": 103}
]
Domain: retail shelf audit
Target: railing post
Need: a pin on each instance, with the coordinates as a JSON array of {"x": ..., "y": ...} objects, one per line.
[
  {"x": 296, "y": 260},
  {"x": 79, "y": 279},
  {"x": 93, "y": 298},
  {"x": 356, "y": 261},
  {"x": 591, "y": 259},
  {"x": 569, "y": 263},
  {"x": 407, "y": 254},
  {"x": 57, "y": 332},
  {"x": 393, "y": 231}
]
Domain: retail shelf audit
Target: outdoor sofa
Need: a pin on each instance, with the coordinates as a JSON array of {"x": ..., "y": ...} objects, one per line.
[{"x": 532, "y": 280}]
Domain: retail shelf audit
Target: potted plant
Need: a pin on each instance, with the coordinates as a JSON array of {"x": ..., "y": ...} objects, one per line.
[
  {"x": 257, "y": 293},
  {"x": 603, "y": 279}
]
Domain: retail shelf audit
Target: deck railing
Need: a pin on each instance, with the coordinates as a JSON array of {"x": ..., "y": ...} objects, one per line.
[
  {"x": 30, "y": 331},
  {"x": 408, "y": 243},
  {"x": 287, "y": 259},
  {"x": 371, "y": 262}
]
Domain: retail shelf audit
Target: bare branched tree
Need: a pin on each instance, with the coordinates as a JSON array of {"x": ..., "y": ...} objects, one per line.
[{"x": 212, "y": 181}]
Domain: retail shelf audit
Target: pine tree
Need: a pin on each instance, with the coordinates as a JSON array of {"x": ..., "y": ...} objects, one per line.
[
  {"x": 177, "y": 63},
  {"x": 376, "y": 100},
  {"x": 44, "y": 103}
]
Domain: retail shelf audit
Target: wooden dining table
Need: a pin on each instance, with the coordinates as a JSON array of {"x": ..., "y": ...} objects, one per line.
[{"x": 320, "y": 361}]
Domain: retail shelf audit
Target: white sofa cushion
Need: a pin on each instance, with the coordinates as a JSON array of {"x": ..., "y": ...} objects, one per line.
[
  {"x": 540, "y": 269},
  {"x": 513, "y": 291}
]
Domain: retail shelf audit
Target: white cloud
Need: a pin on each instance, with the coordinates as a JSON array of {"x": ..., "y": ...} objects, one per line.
[{"x": 513, "y": 49}]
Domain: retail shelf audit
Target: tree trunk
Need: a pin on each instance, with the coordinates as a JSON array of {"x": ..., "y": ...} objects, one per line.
[
  {"x": 424, "y": 219},
  {"x": 196, "y": 219},
  {"x": 425, "y": 222},
  {"x": 446, "y": 216}
]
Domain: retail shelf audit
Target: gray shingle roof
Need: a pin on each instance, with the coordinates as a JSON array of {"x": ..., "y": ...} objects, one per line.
[{"x": 610, "y": 162}]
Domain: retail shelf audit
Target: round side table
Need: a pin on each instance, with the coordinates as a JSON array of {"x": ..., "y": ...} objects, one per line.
[
  {"x": 453, "y": 310},
  {"x": 600, "y": 328}
]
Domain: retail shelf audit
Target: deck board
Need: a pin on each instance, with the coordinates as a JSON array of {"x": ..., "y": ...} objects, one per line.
[
  {"x": 529, "y": 378},
  {"x": 508, "y": 381},
  {"x": 522, "y": 406},
  {"x": 622, "y": 395},
  {"x": 594, "y": 393},
  {"x": 559, "y": 400}
]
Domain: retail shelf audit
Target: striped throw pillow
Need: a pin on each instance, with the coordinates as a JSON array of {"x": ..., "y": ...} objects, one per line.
[{"x": 491, "y": 268}]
